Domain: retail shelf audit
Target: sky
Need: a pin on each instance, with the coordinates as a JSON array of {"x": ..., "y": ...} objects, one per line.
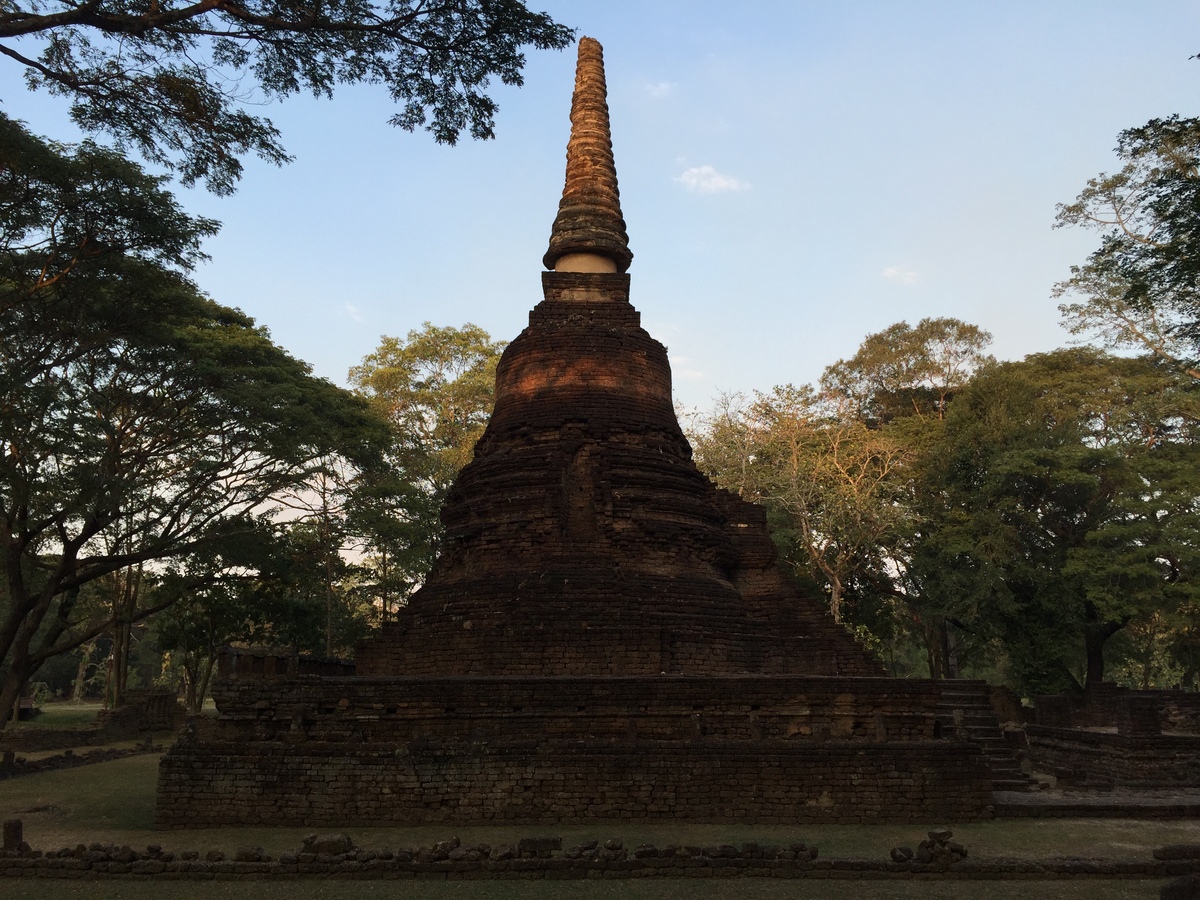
[{"x": 794, "y": 176}]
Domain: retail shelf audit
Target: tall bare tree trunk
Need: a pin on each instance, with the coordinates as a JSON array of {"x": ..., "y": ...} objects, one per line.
[
  {"x": 85, "y": 660},
  {"x": 126, "y": 591}
]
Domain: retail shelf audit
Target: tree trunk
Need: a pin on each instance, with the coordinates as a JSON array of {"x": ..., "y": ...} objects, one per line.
[
  {"x": 1095, "y": 634},
  {"x": 125, "y": 599},
  {"x": 189, "y": 687},
  {"x": 383, "y": 563},
  {"x": 949, "y": 643},
  {"x": 10, "y": 693},
  {"x": 85, "y": 660},
  {"x": 328, "y": 604},
  {"x": 205, "y": 681},
  {"x": 935, "y": 647},
  {"x": 1094, "y": 638},
  {"x": 835, "y": 598}
]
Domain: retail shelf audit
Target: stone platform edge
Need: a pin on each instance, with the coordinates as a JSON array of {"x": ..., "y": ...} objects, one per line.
[{"x": 643, "y": 862}]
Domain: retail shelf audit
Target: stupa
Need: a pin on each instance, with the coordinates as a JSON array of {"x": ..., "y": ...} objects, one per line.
[
  {"x": 606, "y": 634},
  {"x": 582, "y": 539}
]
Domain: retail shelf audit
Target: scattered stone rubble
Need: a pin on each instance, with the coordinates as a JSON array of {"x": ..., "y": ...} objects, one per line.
[
  {"x": 336, "y": 855},
  {"x": 936, "y": 853}
]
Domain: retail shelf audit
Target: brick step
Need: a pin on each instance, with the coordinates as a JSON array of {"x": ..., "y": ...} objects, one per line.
[{"x": 966, "y": 706}]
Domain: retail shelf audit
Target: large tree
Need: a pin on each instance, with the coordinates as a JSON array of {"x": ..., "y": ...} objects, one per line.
[
  {"x": 172, "y": 78},
  {"x": 831, "y": 485},
  {"x": 435, "y": 387},
  {"x": 1060, "y": 506},
  {"x": 902, "y": 381},
  {"x": 139, "y": 420},
  {"x": 905, "y": 371},
  {"x": 1141, "y": 287}
]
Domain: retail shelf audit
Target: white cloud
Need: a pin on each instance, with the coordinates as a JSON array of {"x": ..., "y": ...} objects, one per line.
[
  {"x": 902, "y": 274},
  {"x": 661, "y": 90},
  {"x": 354, "y": 314},
  {"x": 683, "y": 367},
  {"x": 707, "y": 180}
]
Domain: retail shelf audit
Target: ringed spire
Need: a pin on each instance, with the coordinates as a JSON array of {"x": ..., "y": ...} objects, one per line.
[{"x": 589, "y": 232}]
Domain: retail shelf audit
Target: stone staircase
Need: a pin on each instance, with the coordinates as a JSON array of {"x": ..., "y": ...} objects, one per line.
[{"x": 965, "y": 709}]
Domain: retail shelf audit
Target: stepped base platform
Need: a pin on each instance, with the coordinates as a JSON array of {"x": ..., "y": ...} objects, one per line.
[
  {"x": 1115, "y": 804},
  {"x": 456, "y": 750}
]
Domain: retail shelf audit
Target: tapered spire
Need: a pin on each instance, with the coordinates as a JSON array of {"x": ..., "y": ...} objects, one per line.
[{"x": 589, "y": 232}]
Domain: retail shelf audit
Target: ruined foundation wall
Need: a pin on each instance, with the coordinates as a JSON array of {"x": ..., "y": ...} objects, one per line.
[
  {"x": 541, "y": 710},
  {"x": 318, "y": 785},
  {"x": 1078, "y": 757}
]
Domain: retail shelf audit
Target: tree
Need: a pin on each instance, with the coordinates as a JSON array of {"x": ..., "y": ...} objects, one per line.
[
  {"x": 904, "y": 371},
  {"x": 139, "y": 420},
  {"x": 264, "y": 585},
  {"x": 436, "y": 388},
  {"x": 829, "y": 483},
  {"x": 1140, "y": 288},
  {"x": 171, "y": 78},
  {"x": 902, "y": 380},
  {"x": 318, "y": 518},
  {"x": 1060, "y": 506}
]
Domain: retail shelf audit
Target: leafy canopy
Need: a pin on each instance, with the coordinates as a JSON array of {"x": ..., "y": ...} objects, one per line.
[
  {"x": 139, "y": 420},
  {"x": 1140, "y": 288},
  {"x": 1059, "y": 506},
  {"x": 171, "y": 78},
  {"x": 906, "y": 371},
  {"x": 435, "y": 387}
]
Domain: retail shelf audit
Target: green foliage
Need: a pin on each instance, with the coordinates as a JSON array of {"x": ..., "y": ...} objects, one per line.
[
  {"x": 139, "y": 419},
  {"x": 435, "y": 387},
  {"x": 903, "y": 371},
  {"x": 830, "y": 484},
  {"x": 1009, "y": 519},
  {"x": 171, "y": 78},
  {"x": 837, "y": 471},
  {"x": 1140, "y": 288},
  {"x": 1060, "y": 507}
]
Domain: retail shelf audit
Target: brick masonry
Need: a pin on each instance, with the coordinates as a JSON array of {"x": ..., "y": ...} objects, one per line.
[
  {"x": 1090, "y": 758},
  {"x": 605, "y": 636},
  {"x": 321, "y": 751},
  {"x": 583, "y": 540}
]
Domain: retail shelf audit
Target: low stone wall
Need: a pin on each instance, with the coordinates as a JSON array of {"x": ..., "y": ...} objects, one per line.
[
  {"x": 1092, "y": 758},
  {"x": 143, "y": 712},
  {"x": 203, "y": 784},
  {"x": 27, "y": 739},
  {"x": 155, "y": 709},
  {"x": 13, "y": 766},
  {"x": 1107, "y": 704},
  {"x": 543, "y": 858}
]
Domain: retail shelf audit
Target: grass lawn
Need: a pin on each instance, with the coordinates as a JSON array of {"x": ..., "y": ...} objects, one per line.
[
  {"x": 63, "y": 715},
  {"x": 114, "y": 802}
]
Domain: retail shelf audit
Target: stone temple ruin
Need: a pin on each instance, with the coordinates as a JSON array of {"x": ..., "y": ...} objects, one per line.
[{"x": 606, "y": 634}]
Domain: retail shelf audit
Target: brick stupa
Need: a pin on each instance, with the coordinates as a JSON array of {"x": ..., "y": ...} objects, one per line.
[
  {"x": 606, "y": 635},
  {"x": 582, "y": 539}
]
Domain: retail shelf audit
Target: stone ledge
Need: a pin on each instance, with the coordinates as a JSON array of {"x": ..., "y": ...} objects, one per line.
[{"x": 593, "y": 860}]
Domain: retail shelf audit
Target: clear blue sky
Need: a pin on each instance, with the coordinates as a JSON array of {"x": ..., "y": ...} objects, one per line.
[{"x": 794, "y": 175}]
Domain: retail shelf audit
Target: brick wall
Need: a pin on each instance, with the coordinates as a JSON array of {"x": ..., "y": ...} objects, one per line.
[
  {"x": 203, "y": 785},
  {"x": 503, "y": 710},
  {"x": 1092, "y": 757}
]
